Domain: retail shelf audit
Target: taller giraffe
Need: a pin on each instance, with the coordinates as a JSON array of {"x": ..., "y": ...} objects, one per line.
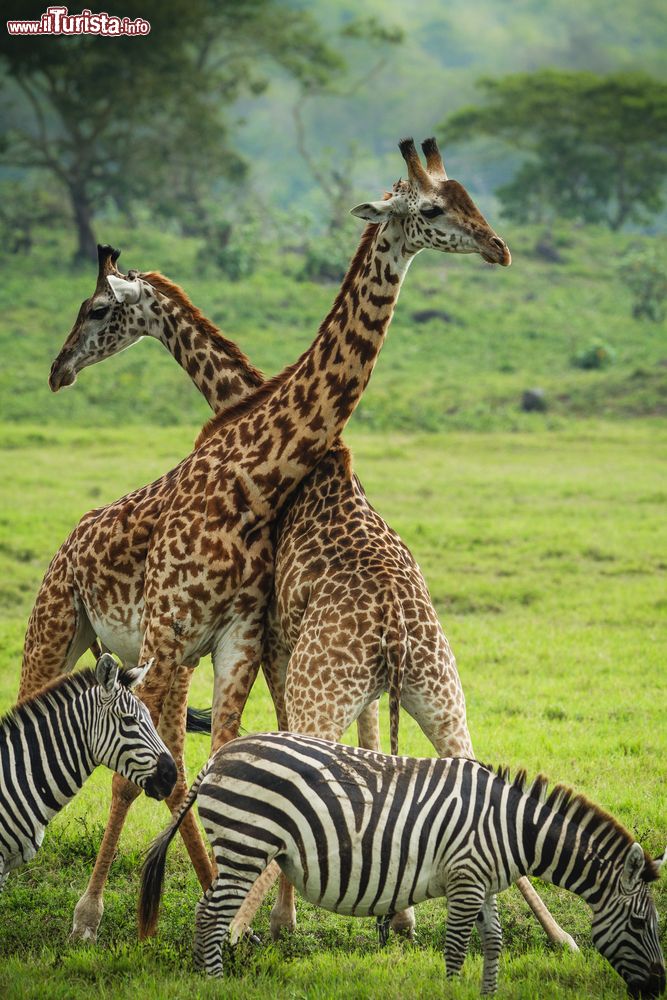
[{"x": 184, "y": 567}]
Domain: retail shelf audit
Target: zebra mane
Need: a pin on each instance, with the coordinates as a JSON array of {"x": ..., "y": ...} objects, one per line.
[
  {"x": 564, "y": 801},
  {"x": 67, "y": 685}
]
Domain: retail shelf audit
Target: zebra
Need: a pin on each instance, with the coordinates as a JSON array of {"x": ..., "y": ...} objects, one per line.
[
  {"x": 363, "y": 833},
  {"x": 51, "y": 743}
]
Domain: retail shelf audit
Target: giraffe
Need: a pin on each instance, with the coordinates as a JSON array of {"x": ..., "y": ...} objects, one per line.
[
  {"x": 184, "y": 567},
  {"x": 335, "y": 556}
]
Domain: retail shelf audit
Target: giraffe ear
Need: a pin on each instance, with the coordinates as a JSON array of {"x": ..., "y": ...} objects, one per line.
[
  {"x": 124, "y": 291},
  {"x": 106, "y": 673},
  {"x": 136, "y": 675},
  {"x": 373, "y": 211}
]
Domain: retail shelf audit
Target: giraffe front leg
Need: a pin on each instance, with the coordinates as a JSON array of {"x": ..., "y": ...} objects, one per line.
[
  {"x": 172, "y": 729},
  {"x": 491, "y": 935},
  {"x": 88, "y": 911}
]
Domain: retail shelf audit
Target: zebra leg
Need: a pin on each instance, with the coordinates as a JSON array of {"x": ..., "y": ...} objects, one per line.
[
  {"x": 217, "y": 909},
  {"x": 491, "y": 934},
  {"x": 464, "y": 901}
]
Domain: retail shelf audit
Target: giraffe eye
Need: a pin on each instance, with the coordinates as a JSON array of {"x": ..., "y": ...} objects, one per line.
[
  {"x": 431, "y": 213},
  {"x": 99, "y": 313}
]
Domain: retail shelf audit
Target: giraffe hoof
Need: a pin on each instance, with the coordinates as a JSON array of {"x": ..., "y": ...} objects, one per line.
[
  {"x": 82, "y": 933},
  {"x": 86, "y": 922},
  {"x": 281, "y": 925},
  {"x": 568, "y": 943}
]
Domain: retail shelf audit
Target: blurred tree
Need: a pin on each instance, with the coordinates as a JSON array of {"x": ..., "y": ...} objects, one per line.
[
  {"x": 597, "y": 146},
  {"x": 122, "y": 119},
  {"x": 334, "y": 175}
]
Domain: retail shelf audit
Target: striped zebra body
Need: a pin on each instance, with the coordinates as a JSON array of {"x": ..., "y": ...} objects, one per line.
[
  {"x": 365, "y": 834},
  {"x": 52, "y": 742}
]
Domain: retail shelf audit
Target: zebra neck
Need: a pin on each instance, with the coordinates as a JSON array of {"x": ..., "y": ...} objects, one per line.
[
  {"x": 560, "y": 850},
  {"x": 52, "y": 738}
]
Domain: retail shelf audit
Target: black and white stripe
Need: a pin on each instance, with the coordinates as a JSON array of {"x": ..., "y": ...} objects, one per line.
[
  {"x": 51, "y": 743},
  {"x": 362, "y": 833}
]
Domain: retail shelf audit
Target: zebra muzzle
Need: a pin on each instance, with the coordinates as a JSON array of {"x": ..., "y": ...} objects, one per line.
[{"x": 161, "y": 783}]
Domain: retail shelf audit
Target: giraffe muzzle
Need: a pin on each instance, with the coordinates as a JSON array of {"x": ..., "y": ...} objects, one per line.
[
  {"x": 61, "y": 375},
  {"x": 497, "y": 252}
]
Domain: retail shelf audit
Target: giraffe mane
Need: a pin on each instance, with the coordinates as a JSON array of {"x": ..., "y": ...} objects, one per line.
[
  {"x": 77, "y": 682},
  {"x": 174, "y": 292},
  {"x": 271, "y": 385},
  {"x": 564, "y": 801}
]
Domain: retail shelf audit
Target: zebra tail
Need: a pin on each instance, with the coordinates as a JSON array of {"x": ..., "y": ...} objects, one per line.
[
  {"x": 396, "y": 655},
  {"x": 198, "y": 720},
  {"x": 152, "y": 871}
]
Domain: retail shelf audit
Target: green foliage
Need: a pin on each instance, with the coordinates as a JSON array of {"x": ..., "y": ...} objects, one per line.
[
  {"x": 597, "y": 146},
  {"x": 465, "y": 342},
  {"x": 231, "y": 249},
  {"x": 139, "y": 119},
  {"x": 542, "y": 551},
  {"x": 25, "y": 207},
  {"x": 326, "y": 258},
  {"x": 596, "y": 355},
  {"x": 644, "y": 271}
]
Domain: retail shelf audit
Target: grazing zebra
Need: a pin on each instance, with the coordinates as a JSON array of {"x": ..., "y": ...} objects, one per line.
[
  {"x": 52, "y": 742},
  {"x": 361, "y": 833}
]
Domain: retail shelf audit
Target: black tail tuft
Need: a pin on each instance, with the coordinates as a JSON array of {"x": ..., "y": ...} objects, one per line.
[
  {"x": 198, "y": 720},
  {"x": 152, "y": 881}
]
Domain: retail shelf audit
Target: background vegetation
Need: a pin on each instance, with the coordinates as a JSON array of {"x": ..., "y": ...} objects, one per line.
[{"x": 226, "y": 152}]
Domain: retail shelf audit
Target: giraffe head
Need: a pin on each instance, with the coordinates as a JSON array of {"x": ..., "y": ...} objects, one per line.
[
  {"x": 435, "y": 212},
  {"x": 108, "y": 322}
]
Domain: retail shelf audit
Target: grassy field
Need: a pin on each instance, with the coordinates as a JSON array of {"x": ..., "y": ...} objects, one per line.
[
  {"x": 492, "y": 334},
  {"x": 545, "y": 553}
]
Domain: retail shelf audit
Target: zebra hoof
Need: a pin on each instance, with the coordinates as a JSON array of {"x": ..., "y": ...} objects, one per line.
[{"x": 383, "y": 924}]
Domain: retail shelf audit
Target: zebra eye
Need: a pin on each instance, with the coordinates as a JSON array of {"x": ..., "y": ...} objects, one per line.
[
  {"x": 99, "y": 313},
  {"x": 431, "y": 213},
  {"x": 129, "y": 720}
]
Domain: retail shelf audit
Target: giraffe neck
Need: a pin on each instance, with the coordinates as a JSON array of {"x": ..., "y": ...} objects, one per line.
[
  {"x": 292, "y": 421},
  {"x": 217, "y": 367}
]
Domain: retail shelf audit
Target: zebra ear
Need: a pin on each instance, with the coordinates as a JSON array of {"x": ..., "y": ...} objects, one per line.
[
  {"x": 137, "y": 675},
  {"x": 633, "y": 868},
  {"x": 659, "y": 862},
  {"x": 106, "y": 673}
]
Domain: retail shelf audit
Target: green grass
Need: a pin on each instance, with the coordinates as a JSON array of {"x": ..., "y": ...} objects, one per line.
[
  {"x": 506, "y": 330},
  {"x": 545, "y": 553}
]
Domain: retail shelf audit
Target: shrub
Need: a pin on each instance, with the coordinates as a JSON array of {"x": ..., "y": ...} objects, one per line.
[
  {"x": 645, "y": 273},
  {"x": 596, "y": 355}
]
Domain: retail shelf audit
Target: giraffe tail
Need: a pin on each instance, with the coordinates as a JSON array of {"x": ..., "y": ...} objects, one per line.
[
  {"x": 198, "y": 720},
  {"x": 396, "y": 656},
  {"x": 152, "y": 872}
]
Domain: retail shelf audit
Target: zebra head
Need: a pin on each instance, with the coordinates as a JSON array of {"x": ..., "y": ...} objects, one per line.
[
  {"x": 123, "y": 735},
  {"x": 625, "y": 926}
]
